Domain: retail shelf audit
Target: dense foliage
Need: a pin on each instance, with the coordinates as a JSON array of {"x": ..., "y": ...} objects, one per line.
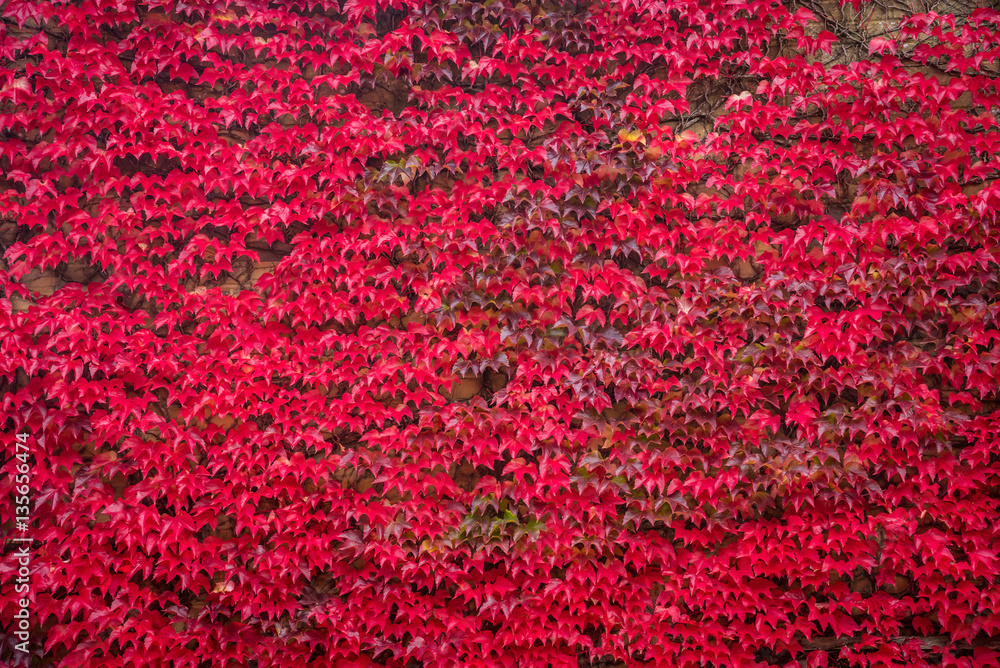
[{"x": 483, "y": 333}]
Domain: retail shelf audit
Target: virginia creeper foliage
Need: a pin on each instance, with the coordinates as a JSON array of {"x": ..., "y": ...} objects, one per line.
[{"x": 483, "y": 333}]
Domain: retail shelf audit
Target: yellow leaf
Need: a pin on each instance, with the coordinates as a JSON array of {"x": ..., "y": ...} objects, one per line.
[
  {"x": 224, "y": 17},
  {"x": 633, "y": 136}
]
